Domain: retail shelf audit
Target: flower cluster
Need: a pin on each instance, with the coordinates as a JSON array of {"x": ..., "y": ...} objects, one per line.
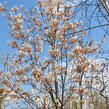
[{"x": 36, "y": 72}]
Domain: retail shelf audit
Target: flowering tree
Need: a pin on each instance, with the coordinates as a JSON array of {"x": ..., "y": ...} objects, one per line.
[{"x": 54, "y": 65}]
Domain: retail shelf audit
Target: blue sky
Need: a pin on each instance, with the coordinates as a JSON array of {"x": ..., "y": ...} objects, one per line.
[{"x": 4, "y": 28}]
